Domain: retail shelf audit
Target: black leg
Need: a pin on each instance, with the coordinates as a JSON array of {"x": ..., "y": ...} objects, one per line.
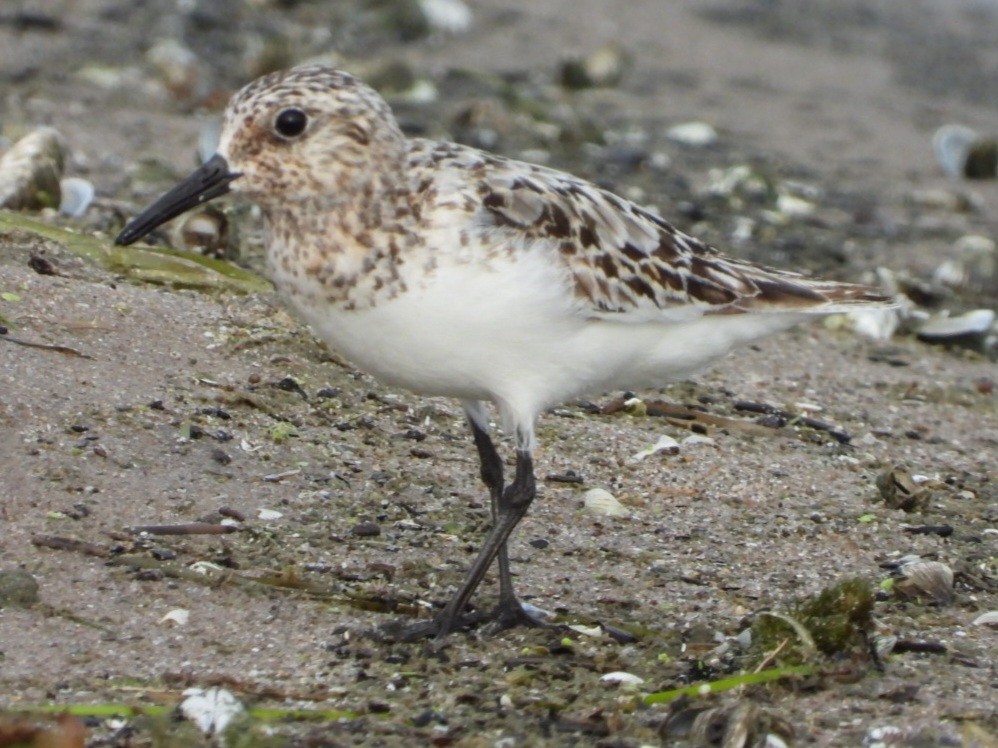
[
  {"x": 492, "y": 477},
  {"x": 512, "y": 505},
  {"x": 509, "y": 504}
]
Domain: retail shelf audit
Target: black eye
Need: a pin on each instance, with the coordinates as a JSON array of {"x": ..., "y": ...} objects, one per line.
[{"x": 290, "y": 123}]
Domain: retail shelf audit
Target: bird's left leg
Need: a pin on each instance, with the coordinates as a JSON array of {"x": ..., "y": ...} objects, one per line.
[{"x": 509, "y": 612}]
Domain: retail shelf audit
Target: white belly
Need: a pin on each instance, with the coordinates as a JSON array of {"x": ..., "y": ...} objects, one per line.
[{"x": 512, "y": 333}]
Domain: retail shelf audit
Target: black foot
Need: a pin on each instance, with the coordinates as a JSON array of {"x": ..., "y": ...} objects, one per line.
[
  {"x": 510, "y": 614},
  {"x": 503, "y": 616},
  {"x": 403, "y": 630}
]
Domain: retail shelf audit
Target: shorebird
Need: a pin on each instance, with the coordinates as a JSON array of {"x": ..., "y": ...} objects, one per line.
[{"x": 450, "y": 271}]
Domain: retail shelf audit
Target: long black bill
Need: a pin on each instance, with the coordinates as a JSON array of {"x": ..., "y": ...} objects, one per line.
[{"x": 211, "y": 180}]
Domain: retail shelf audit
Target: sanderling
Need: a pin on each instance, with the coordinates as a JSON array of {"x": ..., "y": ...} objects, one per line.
[{"x": 450, "y": 271}]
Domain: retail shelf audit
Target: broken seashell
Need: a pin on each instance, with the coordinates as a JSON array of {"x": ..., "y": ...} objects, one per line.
[
  {"x": 692, "y": 134},
  {"x": 206, "y": 232},
  {"x": 31, "y": 169},
  {"x": 900, "y": 490},
  {"x": 622, "y": 678},
  {"x": 987, "y": 619},
  {"x": 177, "y": 616},
  {"x": 211, "y": 709},
  {"x": 952, "y": 143},
  {"x": 972, "y": 329},
  {"x": 76, "y": 196},
  {"x": 601, "y": 503},
  {"x": 665, "y": 444},
  {"x": 450, "y": 16},
  {"x": 973, "y": 266},
  {"x": 929, "y": 580}
]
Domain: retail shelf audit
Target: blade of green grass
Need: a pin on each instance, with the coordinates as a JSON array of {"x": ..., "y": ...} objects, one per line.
[{"x": 726, "y": 684}]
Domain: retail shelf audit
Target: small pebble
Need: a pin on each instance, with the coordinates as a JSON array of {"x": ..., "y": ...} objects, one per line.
[
  {"x": 366, "y": 529},
  {"x": 18, "y": 589}
]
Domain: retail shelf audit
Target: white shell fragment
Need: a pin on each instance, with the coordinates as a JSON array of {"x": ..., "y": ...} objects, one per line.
[
  {"x": 268, "y": 515},
  {"x": 452, "y": 16},
  {"x": 692, "y": 134},
  {"x": 601, "y": 503},
  {"x": 987, "y": 619},
  {"x": 875, "y": 324},
  {"x": 177, "y": 616},
  {"x": 211, "y": 709},
  {"x": 952, "y": 144},
  {"x": 208, "y": 139},
  {"x": 972, "y": 266},
  {"x": 31, "y": 169},
  {"x": 978, "y": 321},
  {"x": 665, "y": 444},
  {"x": 884, "y": 737},
  {"x": 794, "y": 207},
  {"x": 593, "y": 631},
  {"x": 623, "y": 678},
  {"x": 694, "y": 439},
  {"x": 76, "y": 196}
]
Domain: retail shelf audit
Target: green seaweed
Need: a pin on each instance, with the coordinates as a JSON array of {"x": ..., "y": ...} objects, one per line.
[{"x": 171, "y": 267}]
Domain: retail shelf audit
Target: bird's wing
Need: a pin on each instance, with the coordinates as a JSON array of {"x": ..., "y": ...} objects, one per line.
[{"x": 627, "y": 263}]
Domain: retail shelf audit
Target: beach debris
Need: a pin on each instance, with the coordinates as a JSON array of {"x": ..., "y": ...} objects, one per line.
[
  {"x": 741, "y": 723},
  {"x": 211, "y": 709},
  {"x": 604, "y": 67},
  {"x": 900, "y": 490},
  {"x": 987, "y": 619}
]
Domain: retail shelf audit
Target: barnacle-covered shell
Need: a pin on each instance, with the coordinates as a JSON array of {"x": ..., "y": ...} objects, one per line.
[
  {"x": 30, "y": 171},
  {"x": 931, "y": 581}
]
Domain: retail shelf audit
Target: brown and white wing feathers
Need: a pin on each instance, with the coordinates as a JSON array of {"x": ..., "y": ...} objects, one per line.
[{"x": 627, "y": 263}]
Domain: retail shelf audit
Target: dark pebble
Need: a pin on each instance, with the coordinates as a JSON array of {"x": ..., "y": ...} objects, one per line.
[
  {"x": 365, "y": 529},
  {"x": 327, "y": 392},
  {"x": 163, "y": 554},
  {"x": 18, "y": 589},
  {"x": 220, "y": 456},
  {"x": 290, "y": 384},
  {"x": 540, "y": 543}
]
